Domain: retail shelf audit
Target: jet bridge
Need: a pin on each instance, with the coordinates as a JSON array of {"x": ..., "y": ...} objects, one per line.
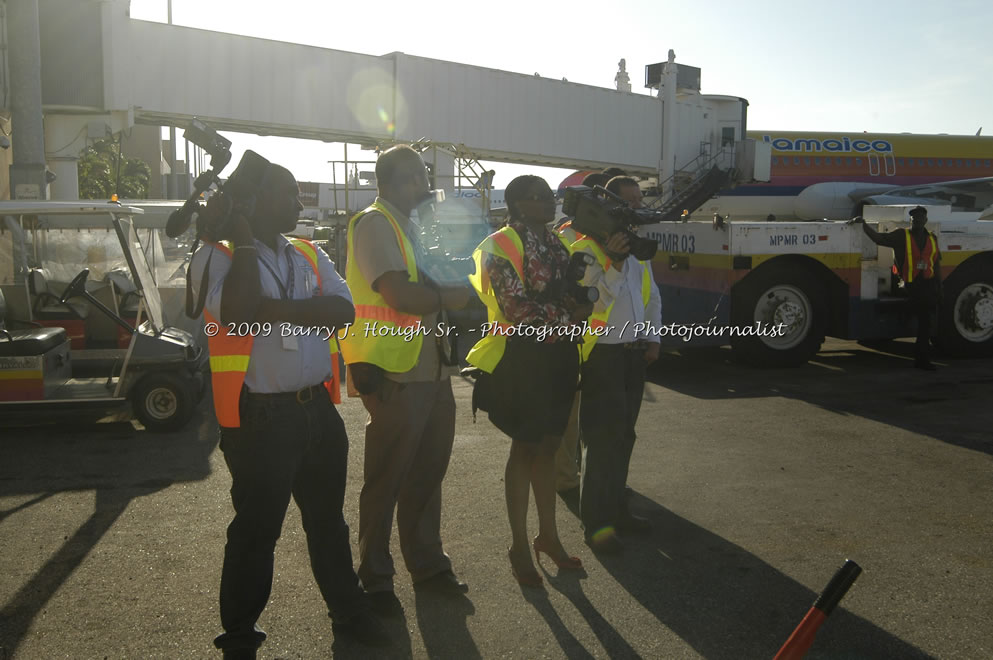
[{"x": 152, "y": 73}]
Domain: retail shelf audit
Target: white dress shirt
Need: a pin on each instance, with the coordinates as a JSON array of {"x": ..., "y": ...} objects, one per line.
[{"x": 622, "y": 288}]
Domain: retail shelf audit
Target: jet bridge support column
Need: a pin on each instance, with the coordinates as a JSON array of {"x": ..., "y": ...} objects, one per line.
[{"x": 27, "y": 173}]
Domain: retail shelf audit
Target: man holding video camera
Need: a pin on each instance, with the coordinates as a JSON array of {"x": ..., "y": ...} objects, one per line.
[
  {"x": 403, "y": 382},
  {"x": 613, "y": 378},
  {"x": 280, "y": 433}
]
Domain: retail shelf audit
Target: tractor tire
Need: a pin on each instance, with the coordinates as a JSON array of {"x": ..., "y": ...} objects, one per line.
[
  {"x": 965, "y": 318},
  {"x": 791, "y": 301}
]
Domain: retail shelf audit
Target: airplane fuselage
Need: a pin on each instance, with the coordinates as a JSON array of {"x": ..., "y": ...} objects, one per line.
[{"x": 839, "y": 164}]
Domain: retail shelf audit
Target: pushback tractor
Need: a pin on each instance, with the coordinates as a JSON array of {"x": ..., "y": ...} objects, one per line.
[{"x": 775, "y": 290}]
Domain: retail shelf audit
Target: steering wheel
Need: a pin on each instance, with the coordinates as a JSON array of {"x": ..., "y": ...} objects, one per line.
[{"x": 77, "y": 287}]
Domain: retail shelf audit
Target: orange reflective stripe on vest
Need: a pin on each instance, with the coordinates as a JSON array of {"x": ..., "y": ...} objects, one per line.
[
  {"x": 230, "y": 354},
  {"x": 388, "y": 314},
  {"x": 513, "y": 254},
  {"x": 391, "y": 351},
  {"x": 914, "y": 257}
]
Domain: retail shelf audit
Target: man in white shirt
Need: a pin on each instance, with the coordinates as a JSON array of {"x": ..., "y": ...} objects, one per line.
[{"x": 613, "y": 379}]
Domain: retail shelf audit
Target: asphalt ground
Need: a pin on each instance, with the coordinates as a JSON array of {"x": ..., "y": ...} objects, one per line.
[{"x": 759, "y": 484}]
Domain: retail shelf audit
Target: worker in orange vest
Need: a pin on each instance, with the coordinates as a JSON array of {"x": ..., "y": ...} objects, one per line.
[
  {"x": 918, "y": 263},
  {"x": 272, "y": 305}
]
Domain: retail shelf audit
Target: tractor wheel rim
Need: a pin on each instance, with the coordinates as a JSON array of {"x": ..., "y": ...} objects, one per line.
[
  {"x": 974, "y": 312},
  {"x": 784, "y": 307}
]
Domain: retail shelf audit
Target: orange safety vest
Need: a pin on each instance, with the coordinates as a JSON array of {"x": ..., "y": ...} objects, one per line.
[
  {"x": 917, "y": 263},
  {"x": 230, "y": 354}
]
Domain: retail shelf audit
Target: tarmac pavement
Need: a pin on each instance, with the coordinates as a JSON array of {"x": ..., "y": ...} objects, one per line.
[{"x": 758, "y": 483}]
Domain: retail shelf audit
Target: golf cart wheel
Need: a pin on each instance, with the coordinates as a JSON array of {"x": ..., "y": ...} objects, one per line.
[
  {"x": 163, "y": 401},
  {"x": 790, "y": 300}
]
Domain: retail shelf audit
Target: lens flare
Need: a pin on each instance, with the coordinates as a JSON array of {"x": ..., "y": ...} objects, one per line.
[{"x": 375, "y": 102}]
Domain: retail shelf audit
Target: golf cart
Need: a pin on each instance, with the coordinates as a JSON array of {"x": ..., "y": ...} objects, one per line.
[{"x": 159, "y": 376}]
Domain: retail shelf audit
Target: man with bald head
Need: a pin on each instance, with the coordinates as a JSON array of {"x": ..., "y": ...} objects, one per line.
[{"x": 403, "y": 381}]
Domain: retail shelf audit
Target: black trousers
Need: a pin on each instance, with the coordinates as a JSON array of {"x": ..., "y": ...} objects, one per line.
[
  {"x": 613, "y": 382},
  {"x": 924, "y": 302},
  {"x": 284, "y": 448}
]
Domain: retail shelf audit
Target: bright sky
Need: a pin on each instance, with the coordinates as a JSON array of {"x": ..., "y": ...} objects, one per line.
[{"x": 846, "y": 65}]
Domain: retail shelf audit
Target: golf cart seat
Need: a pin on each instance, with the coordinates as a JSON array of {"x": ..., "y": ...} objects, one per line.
[
  {"x": 47, "y": 306},
  {"x": 127, "y": 305},
  {"x": 50, "y": 311},
  {"x": 29, "y": 341}
]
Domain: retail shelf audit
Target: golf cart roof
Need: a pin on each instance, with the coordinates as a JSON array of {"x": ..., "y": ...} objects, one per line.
[{"x": 44, "y": 207}]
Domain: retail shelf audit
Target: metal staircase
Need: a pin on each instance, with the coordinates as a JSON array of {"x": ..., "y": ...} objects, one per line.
[
  {"x": 468, "y": 172},
  {"x": 694, "y": 184}
]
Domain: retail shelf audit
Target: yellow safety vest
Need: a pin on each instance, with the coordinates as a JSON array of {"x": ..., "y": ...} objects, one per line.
[
  {"x": 505, "y": 244},
  {"x": 387, "y": 347},
  {"x": 568, "y": 235},
  {"x": 230, "y": 354},
  {"x": 598, "y": 321}
]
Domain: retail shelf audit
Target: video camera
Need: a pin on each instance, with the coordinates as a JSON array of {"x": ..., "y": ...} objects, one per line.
[
  {"x": 569, "y": 285},
  {"x": 599, "y": 214},
  {"x": 235, "y": 194}
]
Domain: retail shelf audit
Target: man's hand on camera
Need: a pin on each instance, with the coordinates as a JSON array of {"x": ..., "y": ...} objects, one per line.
[{"x": 618, "y": 248}]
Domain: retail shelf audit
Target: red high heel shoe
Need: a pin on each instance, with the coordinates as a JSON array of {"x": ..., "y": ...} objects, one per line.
[
  {"x": 524, "y": 579},
  {"x": 565, "y": 562}
]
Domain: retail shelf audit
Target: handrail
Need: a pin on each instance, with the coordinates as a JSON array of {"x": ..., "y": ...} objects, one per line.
[{"x": 701, "y": 169}]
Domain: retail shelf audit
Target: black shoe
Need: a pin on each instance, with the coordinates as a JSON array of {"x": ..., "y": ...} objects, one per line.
[
  {"x": 926, "y": 366},
  {"x": 364, "y": 627},
  {"x": 385, "y": 604},
  {"x": 443, "y": 583},
  {"x": 239, "y": 654},
  {"x": 632, "y": 524},
  {"x": 609, "y": 544}
]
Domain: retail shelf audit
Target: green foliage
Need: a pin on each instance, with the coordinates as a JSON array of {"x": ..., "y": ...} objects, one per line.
[{"x": 97, "y": 169}]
